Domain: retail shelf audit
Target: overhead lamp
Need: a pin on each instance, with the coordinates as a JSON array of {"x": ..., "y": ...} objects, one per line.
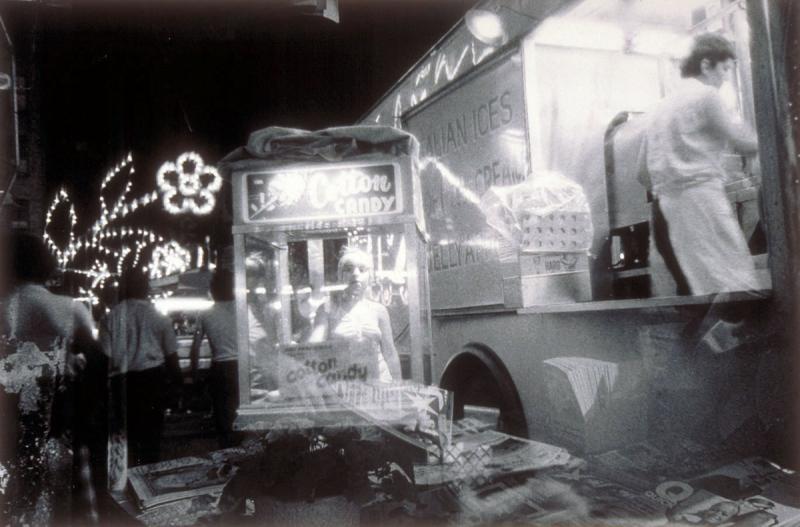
[
  {"x": 326, "y": 8},
  {"x": 486, "y": 26}
]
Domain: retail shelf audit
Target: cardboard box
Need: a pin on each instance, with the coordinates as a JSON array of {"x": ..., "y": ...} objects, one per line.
[
  {"x": 548, "y": 278},
  {"x": 595, "y": 405},
  {"x": 532, "y": 263}
]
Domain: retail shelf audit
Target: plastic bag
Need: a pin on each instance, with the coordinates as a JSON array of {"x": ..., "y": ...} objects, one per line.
[{"x": 546, "y": 213}]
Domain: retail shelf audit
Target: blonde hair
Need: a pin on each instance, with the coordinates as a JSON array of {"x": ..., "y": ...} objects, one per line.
[{"x": 353, "y": 254}]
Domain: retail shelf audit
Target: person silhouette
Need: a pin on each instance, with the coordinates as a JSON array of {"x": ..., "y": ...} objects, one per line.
[
  {"x": 218, "y": 325},
  {"x": 142, "y": 348},
  {"x": 52, "y": 392},
  {"x": 687, "y": 134}
]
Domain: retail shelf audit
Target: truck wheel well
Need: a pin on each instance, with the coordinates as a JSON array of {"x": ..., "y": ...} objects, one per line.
[{"x": 477, "y": 376}]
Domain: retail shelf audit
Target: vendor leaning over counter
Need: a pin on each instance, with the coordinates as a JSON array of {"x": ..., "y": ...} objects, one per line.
[{"x": 686, "y": 137}]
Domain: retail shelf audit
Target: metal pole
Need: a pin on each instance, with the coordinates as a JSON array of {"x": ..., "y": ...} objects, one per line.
[{"x": 15, "y": 111}]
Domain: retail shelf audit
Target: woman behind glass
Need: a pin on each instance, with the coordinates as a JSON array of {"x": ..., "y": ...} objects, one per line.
[{"x": 351, "y": 316}]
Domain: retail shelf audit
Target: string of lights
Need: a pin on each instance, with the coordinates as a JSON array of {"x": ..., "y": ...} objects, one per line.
[
  {"x": 441, "y": 68},
  {"x": 101, "y": 253}
]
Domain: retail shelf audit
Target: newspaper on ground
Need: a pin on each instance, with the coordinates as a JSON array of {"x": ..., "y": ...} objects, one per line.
[
  {"x": 753, "y": 489},
  {"x": 183, "y": 512},
  {"x": 176, "y": 479},
  {"x": 645, "y": 464},
  {"x": 609, "y": 502},
  {"x": 488, "y": 455},
  {"x": 749, "y": 492}
]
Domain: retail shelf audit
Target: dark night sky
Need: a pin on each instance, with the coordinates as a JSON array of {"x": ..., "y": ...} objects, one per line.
[{"x": 159, "y": 78}]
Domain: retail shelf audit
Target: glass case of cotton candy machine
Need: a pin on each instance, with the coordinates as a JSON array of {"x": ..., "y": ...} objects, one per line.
[{"x": 333, "y": 319}]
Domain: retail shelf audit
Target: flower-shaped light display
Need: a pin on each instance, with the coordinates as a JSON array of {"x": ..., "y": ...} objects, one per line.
[{"x": 188, "y": 185}]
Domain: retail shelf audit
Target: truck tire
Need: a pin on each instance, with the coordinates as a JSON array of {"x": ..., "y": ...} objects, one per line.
[{"x": 476, "y": 376}]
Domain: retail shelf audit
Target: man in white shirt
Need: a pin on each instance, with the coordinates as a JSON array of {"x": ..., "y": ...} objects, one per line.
[
  {"x": 142, "y": 347},
  {"x": 218, "y": 324},
  {"x": 686, "y": 137}
]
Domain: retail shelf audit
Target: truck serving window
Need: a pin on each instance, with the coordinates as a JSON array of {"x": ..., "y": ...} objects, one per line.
[
  {"x": 598, "y": 75},
  {"x": 550, "y": 176}
]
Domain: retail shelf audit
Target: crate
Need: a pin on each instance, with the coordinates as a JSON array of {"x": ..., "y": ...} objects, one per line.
[
  {"x": 595, "y": 405},
  {"x": 548, "y": 278}
]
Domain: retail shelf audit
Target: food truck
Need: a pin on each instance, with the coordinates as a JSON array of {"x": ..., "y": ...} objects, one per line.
[
  {"x": 300, "y": 199},
  {"x": 575, "y": 329}
]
